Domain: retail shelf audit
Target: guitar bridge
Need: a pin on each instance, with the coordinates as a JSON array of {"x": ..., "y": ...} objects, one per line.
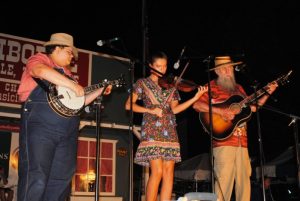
[{"x": 60, "y": 96}]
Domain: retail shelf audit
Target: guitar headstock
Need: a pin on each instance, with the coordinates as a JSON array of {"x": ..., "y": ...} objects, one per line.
[{"x": 284, "y": 79}]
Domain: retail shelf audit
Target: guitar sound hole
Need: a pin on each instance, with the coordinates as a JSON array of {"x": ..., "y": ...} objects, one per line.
[{"x": 235, "y": 108}]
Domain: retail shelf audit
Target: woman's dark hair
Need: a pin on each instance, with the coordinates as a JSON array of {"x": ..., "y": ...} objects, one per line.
[
  {"x": 50, "y": 48},
  {"x": 158, "y": 55}
]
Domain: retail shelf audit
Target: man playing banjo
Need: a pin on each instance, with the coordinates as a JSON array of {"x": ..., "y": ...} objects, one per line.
[{"x": 48, "y": 140}]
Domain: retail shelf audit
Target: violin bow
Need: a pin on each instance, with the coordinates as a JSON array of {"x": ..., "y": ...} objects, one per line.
[
  {"x": 181, "y": 74},
  {"x": 176, "y": 83}
]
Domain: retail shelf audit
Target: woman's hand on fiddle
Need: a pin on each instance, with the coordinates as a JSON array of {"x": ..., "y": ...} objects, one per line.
[
  {"x": 156, "y": 111},
  {"x": 201, "y": 91}
]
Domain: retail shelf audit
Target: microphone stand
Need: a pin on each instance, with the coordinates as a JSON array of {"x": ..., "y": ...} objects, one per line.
[
  {"x": 208, "y": 63},
  {"x": 131, "y": 69},
  {"x": 97, "y": 104},
  {"x": 294, "y": 121},
  {"x": 133, "y": 61},
  {"x": 207, "y": 60},
  {"x": 255, "y": 84},
  {"x": 260, "y": 142}
]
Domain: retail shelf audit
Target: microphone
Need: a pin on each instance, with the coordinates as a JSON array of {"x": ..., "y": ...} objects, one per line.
[
  {"x": 292, "y": 122},
  {"x": 103, "y": 42},
  {"x": 176, "y": 64},
  {"x": 240, "y": 67}
]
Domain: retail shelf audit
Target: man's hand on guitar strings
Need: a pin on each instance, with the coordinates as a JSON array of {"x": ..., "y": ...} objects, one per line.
[{"x": 227, "y": 114}]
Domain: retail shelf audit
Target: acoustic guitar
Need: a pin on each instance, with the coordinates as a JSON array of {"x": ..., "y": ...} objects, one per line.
[{"x": 240, "y": 106}]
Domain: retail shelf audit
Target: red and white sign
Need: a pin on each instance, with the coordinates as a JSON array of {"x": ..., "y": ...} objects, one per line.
[{"x": 14, "y": 53}]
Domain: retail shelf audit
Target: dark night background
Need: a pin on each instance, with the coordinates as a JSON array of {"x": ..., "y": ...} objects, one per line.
[{"x": 263, "y": 34}]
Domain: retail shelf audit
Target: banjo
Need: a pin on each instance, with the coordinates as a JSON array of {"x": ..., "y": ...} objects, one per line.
[{"x": 65, "y": 102}]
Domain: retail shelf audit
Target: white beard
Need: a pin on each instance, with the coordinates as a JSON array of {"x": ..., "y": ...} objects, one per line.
[{"x": 227, "y": 83}]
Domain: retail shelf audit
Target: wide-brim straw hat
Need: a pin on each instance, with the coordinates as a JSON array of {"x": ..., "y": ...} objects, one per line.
[
  {"x": 222, "y": 61},
  {"x": 63, "y": 39}
]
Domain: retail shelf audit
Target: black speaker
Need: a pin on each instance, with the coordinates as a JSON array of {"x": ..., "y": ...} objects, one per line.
[{"x": 111, "y": 68}]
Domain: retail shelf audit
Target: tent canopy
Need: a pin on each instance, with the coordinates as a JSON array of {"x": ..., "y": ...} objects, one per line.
[{"x": 196, "y": 168}]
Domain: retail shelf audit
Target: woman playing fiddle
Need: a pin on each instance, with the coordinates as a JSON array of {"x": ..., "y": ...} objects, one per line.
[{"x": 159, "y": 147}]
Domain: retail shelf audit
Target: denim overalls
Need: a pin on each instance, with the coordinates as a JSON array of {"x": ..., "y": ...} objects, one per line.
[{"x": 47, "y": 150}]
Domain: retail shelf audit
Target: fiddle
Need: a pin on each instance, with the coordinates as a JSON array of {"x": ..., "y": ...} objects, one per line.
[{"x": 167, "y": 82}]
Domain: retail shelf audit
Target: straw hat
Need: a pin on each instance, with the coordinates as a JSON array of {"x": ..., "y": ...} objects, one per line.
[
  {"x": 63, "y": 39},
  {"x": 222, "y": 61}
]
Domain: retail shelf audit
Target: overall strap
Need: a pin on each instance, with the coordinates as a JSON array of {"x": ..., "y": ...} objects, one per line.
[
  {"x": 42, "y": 84},
  {"x": 45, "y": 84}
]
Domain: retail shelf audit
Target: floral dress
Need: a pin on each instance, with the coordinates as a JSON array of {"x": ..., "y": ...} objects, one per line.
[{"x": 158, "y": 134}]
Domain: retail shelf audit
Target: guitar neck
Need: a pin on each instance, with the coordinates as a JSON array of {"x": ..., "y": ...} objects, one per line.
[
  {"x": 253, "y": 97},
  {"x": 116, "y": 83},
  {"x": 250, "y": 99}
]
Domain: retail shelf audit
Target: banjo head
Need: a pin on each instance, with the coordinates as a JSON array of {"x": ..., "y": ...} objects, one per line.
[{"x": 69, "y": 99}]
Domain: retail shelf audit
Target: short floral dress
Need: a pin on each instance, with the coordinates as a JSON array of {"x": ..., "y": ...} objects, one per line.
[{"x": 158, "y": 134}]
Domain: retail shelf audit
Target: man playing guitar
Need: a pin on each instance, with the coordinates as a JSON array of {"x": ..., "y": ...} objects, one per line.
[{"x": 231, "y": 159}]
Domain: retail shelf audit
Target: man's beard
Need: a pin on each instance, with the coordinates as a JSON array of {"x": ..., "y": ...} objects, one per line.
[{"x": 227, "y": 83}]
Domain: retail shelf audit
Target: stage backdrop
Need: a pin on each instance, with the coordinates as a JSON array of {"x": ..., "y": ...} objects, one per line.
[{"x": 9, "y": 150}]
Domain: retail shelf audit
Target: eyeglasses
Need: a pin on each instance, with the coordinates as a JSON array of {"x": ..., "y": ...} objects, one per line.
[{"x": 68, "y": 50}]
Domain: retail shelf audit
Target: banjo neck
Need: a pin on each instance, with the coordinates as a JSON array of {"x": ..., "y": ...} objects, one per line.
[{"x": 94, "y": 87}]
